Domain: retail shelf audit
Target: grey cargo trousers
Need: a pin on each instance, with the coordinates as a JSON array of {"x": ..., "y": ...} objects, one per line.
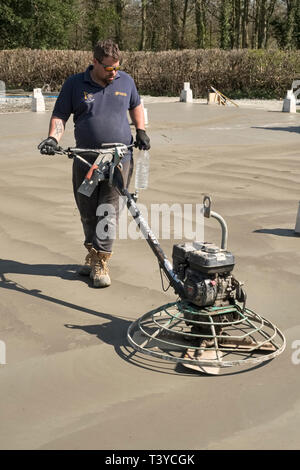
[{"x": 99, "y": 224}]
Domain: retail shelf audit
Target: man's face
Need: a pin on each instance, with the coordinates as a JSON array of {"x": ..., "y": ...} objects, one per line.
[{"x": 100, "y": 71}]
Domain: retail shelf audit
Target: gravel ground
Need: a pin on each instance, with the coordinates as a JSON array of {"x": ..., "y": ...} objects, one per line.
[
  {"x": 24, "y": 104},
  {"x": 21, "y": 105},
  {"x": 272, "y": 105}
]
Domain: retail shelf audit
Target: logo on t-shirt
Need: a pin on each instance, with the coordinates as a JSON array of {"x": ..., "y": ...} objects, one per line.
[
  {"x": 88, "y": 97},
  {"x": 120, "y": 93}
]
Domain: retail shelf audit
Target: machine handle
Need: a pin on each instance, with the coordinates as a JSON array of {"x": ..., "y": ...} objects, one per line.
[{"x": 209, "y": 213}]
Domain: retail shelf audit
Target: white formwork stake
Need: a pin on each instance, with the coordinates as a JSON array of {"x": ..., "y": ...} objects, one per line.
[
  {"x": 38, "y": 102},
  {"x": 289, "y": 103},
  {"x": 297, "y": 227},
  {"x": 212, "y": 97},
  {"x": 186, "y": 95},
  {"x": 2, "y": 92},
  {"x": 145, "y": 112}
]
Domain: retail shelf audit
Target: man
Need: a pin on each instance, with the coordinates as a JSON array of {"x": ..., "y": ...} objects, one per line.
[{"x": 99, "y": 100}]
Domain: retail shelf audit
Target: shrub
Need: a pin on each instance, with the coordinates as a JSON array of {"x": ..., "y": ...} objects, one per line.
[
  {"x": 28, "y": 69},
  {"x": 237, "y": 73}
]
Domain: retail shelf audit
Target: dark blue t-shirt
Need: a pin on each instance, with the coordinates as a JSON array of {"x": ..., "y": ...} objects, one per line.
[{"x": 100, "y": 113}]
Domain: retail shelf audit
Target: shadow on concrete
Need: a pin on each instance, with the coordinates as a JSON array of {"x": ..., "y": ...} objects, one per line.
[
  {"x": 113, "y": 332},
  {"x": 64, "y": 271},
  {"x": 295, "y": 129},
  {"x": 281, "y": 232}
]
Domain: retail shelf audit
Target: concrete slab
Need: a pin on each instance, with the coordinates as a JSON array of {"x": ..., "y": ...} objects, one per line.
[{"x": 71, "y": 381}]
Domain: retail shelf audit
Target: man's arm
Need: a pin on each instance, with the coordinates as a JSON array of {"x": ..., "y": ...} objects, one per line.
[
  {"x": 137, "y": 117},
  {"x": 63, "y": 107},
  {"x": 56, "y": 128}
]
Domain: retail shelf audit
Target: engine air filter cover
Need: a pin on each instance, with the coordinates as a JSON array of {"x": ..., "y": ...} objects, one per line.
[{"x": 211, "y": 259}]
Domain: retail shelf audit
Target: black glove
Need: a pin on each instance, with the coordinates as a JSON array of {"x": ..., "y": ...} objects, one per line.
[
  {"x": 142, "y": 140},
  {"x": 49, "y": 146}
]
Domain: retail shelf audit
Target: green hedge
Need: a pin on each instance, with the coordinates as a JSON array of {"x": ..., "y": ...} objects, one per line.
[{"x": 237, "y": 73}]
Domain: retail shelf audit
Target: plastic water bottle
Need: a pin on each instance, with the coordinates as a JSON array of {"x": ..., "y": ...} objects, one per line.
[{"x": 142, "y": 170}]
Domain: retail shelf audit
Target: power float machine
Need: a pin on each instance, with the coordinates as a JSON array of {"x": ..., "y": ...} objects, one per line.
[{"x": 209, "y": 326}]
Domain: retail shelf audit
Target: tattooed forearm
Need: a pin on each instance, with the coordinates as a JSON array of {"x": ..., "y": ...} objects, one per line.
[{"x": 57, "y": 128}]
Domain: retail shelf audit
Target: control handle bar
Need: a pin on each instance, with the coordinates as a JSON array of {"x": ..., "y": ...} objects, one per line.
[{"x": 108, "y": 148}]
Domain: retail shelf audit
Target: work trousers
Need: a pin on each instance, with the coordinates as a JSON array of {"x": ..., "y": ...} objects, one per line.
[{"x": 100, "y": 212}]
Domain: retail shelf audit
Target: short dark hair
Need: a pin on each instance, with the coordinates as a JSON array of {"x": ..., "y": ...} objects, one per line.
[{"x": 106, "y": 48}]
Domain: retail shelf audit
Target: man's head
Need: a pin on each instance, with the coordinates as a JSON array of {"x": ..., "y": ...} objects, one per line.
[
  {"x": 107, "y": 48},
  {"x": 106, "y": 61}
]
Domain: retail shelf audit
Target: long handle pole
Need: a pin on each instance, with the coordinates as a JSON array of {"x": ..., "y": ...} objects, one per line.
[{"x": 153, "y": 243}]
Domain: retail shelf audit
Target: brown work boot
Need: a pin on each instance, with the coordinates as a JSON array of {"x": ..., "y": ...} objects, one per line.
[
  {"x": 99, "y": 268},
  {"x": 85, "y": 269}
]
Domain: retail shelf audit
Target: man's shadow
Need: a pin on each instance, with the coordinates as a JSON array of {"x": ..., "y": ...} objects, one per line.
[
  {"x": 64, "y": 271},
  {"x": 113, "y": 332}
]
